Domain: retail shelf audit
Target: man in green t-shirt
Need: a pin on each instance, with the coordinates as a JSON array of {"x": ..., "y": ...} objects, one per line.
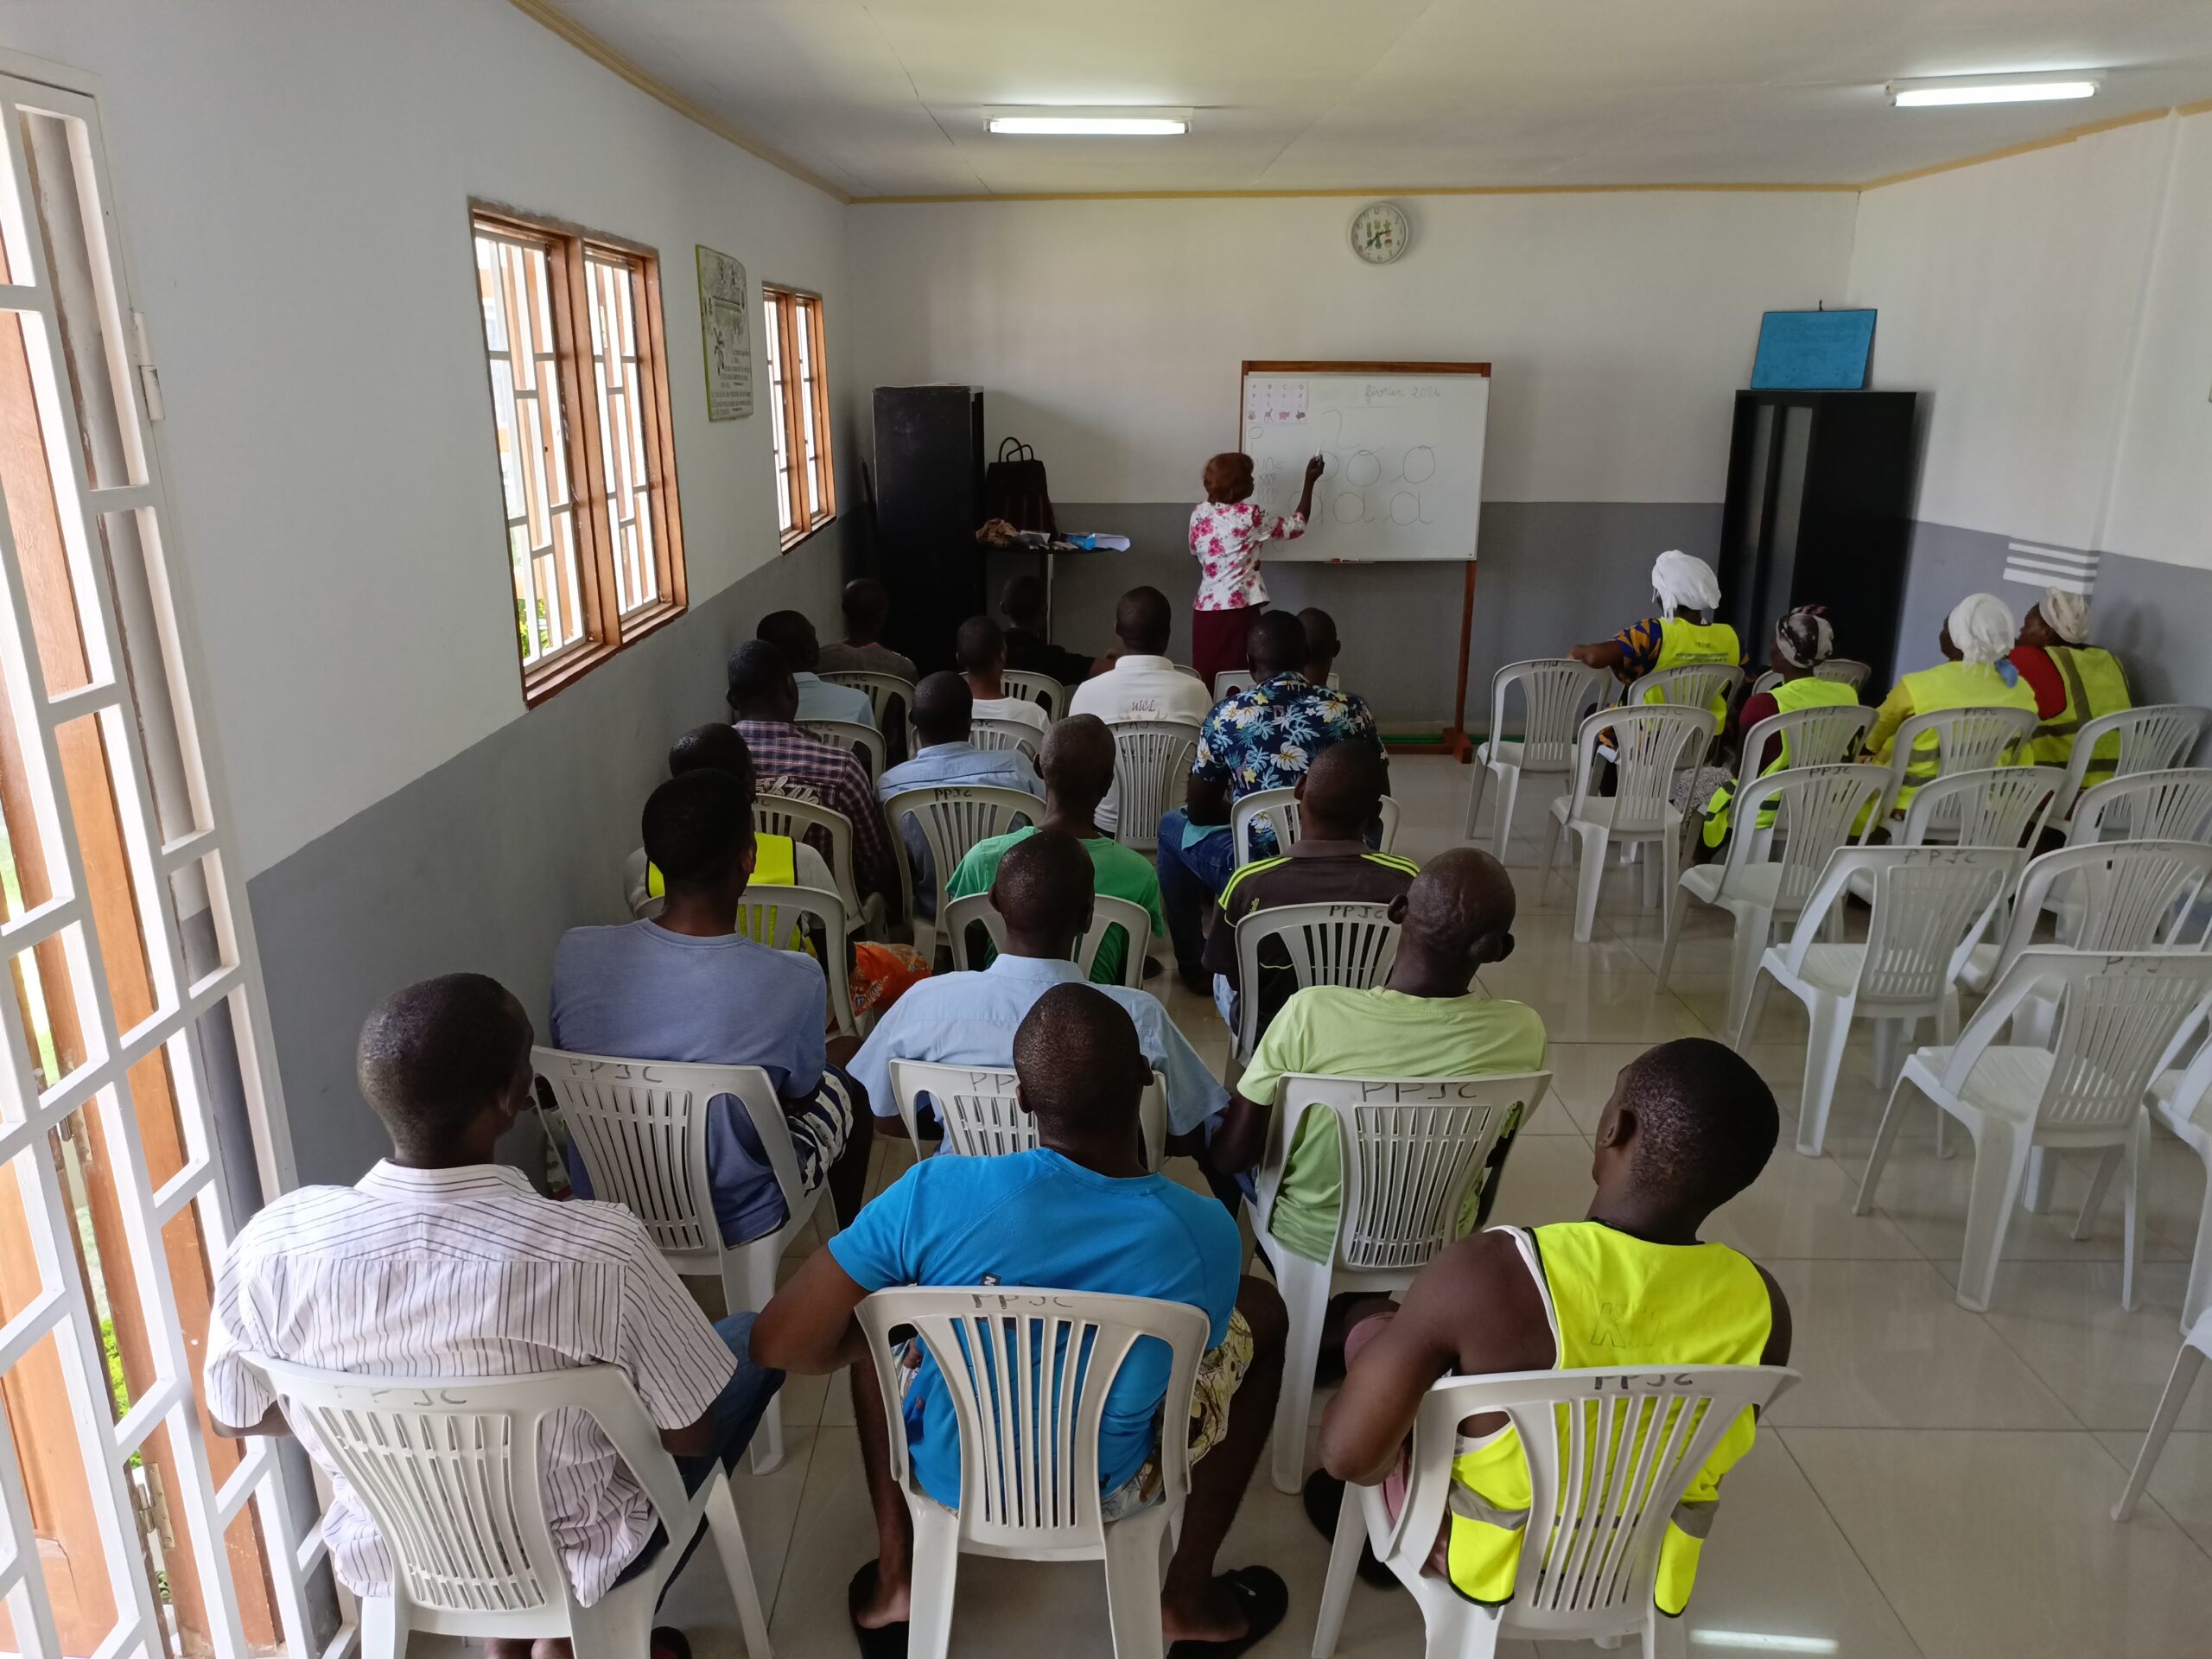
[
  {"x": 1078, "y": 768},
  {"x": 1427, "y": 1020}
]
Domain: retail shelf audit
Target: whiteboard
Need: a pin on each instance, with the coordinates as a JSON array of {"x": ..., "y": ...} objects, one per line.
[{"x": 1401, "y": 456}]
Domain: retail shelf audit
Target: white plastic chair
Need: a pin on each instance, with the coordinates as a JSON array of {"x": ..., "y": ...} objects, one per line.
[
  {"x": 2117, "y": 1016},
  {"x": 1327, "y": 945},
  {"x": 1230, "y": 681},
  {"x": 1279, "y": 808},
  {"x": 865, "y": 742},
  {"x": 2119, "y": 895},
  {"x": 1651, "y": 743},
  {"x": 783, "y": 815},
  {"x": 2195, "y": 1344},
  {"x": 1965, "y": 740},
  {"x": 884, "y": 691},
  {"x": 1556, "y": 693},
  {"x": 1693, "y": 685},
  {"x": 1611, "y": 1454},
  {"x": 1409, "y": 1150},
  {"x": 640, "y": 1127},
  {"x": 2181, "y": 1102},
  {"x": 983, "y": 1119},
  {"x": 1152, "y": 772},
  {"x": 2156, "y": 737},
  {"x": 1845, "y": 671},
  {"x": 1040, "y": 688},
  {"x": 1028, "y": 1372},
  {"x": 777, "y": 915},
  {"x": 2171, "y": 805},
  {"x": 449, "y": 1470},
  {"x": 1006, "y": 734},
  {"x": 1990, "y": 806},
  {"x": 953, "y": 818},
  {"x": 1815, "y": 807},
  {"x": 1106, "y": 913},
  {"x": 1929, "y": 907}
]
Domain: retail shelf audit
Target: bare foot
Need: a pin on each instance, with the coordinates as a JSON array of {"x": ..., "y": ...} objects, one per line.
[
  {"x": 875, "y": 1600},
  {"x": 1215, "y": 1614}
]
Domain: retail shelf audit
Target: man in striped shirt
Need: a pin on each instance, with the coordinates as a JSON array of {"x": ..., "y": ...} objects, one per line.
[{"x": 441, "y": 1262}]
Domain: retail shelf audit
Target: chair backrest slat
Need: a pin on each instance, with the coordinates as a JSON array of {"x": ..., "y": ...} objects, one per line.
[
  {"x": 1816, "y": 809},
  {"x": 988, "y": 733},
  {"x": 887, "y": 694},
  {"x": 1107, "y": 913},
  {"x": 984, "y": 1118},
  {"x": 1693, "y": 685},
  {"x": 829, "y": 831},
  {"x": 2154, "y": 737},
  {"x": 1556, "y": 692},
  {"x": 1928, "y": 903},
  {"x": 1326, "y": 944},
  {"x": 865, "y": 743},
  {"x": 1652, "y": 742},
  {"x": 1983, "y": 806},
  {"x": 2175, "y": 805},
  {"x": 1152, "y": 772},
  {"x": 1031, "y": 686},
  {"x": 1279, "y": 810}
]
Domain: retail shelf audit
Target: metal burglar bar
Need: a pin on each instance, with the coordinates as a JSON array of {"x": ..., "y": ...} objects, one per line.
[{"x": 138, "y": 1020}]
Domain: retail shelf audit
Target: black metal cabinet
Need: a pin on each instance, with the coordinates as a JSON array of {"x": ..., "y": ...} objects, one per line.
[
  {"x": 929, "y": 486},
  {"x": 1820, "y": 512}
]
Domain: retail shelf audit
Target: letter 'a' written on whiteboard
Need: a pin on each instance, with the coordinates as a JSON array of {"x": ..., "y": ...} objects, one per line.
[{"x": 1402, "y": 459}]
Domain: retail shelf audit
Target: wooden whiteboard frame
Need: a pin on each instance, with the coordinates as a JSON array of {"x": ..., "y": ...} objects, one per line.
[{"x": 1456, "y": 742}]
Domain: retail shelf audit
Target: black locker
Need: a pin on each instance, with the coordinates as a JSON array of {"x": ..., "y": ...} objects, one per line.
[
  {"x": 1820, "y": 512},
  {"x": 929, "y": 483}
]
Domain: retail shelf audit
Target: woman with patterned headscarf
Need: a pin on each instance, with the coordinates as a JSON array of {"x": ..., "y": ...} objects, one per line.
[
  {"x": 1803, "y": 639},
  {"x": 1976, "y": 673},
  {"x": 2074, "y": 680}
]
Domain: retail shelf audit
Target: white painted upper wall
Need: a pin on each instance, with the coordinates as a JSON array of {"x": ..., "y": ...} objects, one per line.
[
  {"x": 293, "y": 181},
  {"x": 2052, "y": 309},
  {"x": 1110, "y": 334}
]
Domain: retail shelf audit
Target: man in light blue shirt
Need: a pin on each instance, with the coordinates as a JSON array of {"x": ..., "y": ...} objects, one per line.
[
  {"x": 1043, "y": 890},
  {"x": 818, "y": 699},
  {"x": 943, "y": 710}
]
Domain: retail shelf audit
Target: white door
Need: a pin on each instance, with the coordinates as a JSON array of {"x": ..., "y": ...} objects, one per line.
[{"x": 139, "y": 1114}]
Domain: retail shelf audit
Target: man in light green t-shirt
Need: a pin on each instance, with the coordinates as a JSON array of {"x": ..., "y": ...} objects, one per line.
[
  {"x": 1425, "y": 1021},
  {"x": 1079, "y": 767}
]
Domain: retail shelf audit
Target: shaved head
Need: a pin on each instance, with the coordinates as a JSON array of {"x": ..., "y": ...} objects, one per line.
[
  {"x": 1144, "y": 621},
  {"x": 1078, "y": 760},
  {"x": 1045, "y": 886},
  {"x": 944, "y": 708},
  {"x": 979, "y": 646},
  {"x": 1081, "y": 1066},
  {"x": 1703, "y": 1123},
  {"x": 1322, "y": 644},
  {"x": 1342, "y": 791},
  {"x": 1459, "y": 898},
  {"x": 435, "y": 1055},
  {"x": 1276, "y": 644},
  {"x": 792, "y": 633}
]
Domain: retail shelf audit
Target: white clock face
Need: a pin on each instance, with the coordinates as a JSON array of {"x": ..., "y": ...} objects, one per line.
[{"x": 1380, "y": 232}]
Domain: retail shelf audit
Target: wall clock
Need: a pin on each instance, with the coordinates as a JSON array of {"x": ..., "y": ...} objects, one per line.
[{"x": 1381, "y": 232}]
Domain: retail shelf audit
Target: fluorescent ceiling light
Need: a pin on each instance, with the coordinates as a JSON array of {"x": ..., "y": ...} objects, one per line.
[
  {"x": 1989, "y": 89},
  {"x": 1089, "y": 123}
]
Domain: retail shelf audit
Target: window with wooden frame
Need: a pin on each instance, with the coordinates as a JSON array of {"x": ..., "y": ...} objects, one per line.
[
  {"x": 579, "y": 374},
  {"x": 798, "y": 411}
]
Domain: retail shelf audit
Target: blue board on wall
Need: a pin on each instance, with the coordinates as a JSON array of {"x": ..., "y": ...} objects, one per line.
[{"x": 1813, "y": 351}]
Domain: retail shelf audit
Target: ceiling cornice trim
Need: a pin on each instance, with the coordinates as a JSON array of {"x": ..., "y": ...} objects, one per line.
[
  {"x": 600, "y": 53},
  {"x": 2087, "y": 129},
  {"x": 1364, "y": 192}
]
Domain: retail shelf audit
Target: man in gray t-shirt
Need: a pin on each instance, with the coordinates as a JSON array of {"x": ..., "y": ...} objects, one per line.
[{"x": 689, "y": 988}]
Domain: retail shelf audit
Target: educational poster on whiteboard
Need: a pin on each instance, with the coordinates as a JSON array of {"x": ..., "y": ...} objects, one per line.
[
  {"x": 1401, "y": 459},
  {"x": 726, "y": 335}
]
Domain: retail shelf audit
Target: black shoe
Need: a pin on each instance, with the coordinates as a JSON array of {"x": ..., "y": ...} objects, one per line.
[
  {"x": 1196, "y": 981},
  {"x": 1324, "y": 1496},
  {"x": 1152, "y": 969}
]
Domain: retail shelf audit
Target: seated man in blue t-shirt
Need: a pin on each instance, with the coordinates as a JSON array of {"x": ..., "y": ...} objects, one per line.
[
  {"x": 687, "y": 986},
  {"x": 1079, "y": 1213}
]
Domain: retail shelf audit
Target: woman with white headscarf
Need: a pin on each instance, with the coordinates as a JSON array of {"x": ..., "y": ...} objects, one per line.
[
  {"x": 1976, "y": 673},
  {"x": 1683, "y": 633},
  {"x": 2074, "y": 680}
]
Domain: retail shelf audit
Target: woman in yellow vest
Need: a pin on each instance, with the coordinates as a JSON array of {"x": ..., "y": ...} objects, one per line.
[
  {"x": 1690, "y": 1125},
  {"x": 1976, "y": 673},
  {"x": 1683, "y": 633},
  {"x": 2074, "y": 680},
  {"x": 1802, "y": 641}
]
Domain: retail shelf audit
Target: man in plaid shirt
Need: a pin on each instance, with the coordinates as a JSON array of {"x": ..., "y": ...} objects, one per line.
[{"x": 763, "y": 698}]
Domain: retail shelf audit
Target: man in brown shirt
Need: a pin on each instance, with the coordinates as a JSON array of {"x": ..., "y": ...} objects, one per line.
[{"x": 1338, "y": 796}]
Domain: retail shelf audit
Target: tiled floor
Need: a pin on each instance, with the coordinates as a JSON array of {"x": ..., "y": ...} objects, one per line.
[{"x": 1940, "y": 1483}]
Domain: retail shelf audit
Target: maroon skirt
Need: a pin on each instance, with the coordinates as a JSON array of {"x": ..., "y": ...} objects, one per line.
[{"x": 1217, "y": 640}]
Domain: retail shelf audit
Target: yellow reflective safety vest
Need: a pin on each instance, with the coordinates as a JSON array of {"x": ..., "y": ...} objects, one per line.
[
  {"x": 2096, "y": 684},
  {"x": 1614, "y": 1299},
  {"x": 1811, "y": 692},
  {"x": 1682, "y": 643},
  {"x": 775, "y": 864},
  {"x": 1956, "y": 685}
]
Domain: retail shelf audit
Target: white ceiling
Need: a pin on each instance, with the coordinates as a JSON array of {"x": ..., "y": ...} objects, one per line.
[{"x": 886, "y": 98}]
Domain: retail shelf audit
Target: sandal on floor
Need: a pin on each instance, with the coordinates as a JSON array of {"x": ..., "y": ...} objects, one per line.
[
  {"x": 886, "y": 1641},
  {"x": 1323, "y": 1496},
  {"x": 1266, "y": 1598},
  {"x": 669, "y": 1642}
]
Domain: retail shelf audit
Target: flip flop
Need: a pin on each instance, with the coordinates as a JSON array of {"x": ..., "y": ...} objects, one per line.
[
  {"x": 886, "y": 1641},
  {"x": 1266, "y": 1599},
  {"x": 1323, "y": 1496}
]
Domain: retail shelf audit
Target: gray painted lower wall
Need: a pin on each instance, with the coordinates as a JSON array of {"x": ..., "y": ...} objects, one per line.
[
  {"x": 1550, "y": 573},
  {"x": 484, "y": 863},
  {"x": 2150, "y": 615}
]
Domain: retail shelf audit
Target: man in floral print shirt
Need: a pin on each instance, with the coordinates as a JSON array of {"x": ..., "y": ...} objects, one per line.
[{"x": 1263, "y": 738}]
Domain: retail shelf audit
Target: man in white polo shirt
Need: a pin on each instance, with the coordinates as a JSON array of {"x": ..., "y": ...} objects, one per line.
[
  {"x": 441, "y": 1262},
  {"x": 1142, "y": 684}
]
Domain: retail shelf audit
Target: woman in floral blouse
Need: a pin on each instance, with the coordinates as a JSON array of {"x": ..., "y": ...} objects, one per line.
[{"x": 1227, "y": 530}]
